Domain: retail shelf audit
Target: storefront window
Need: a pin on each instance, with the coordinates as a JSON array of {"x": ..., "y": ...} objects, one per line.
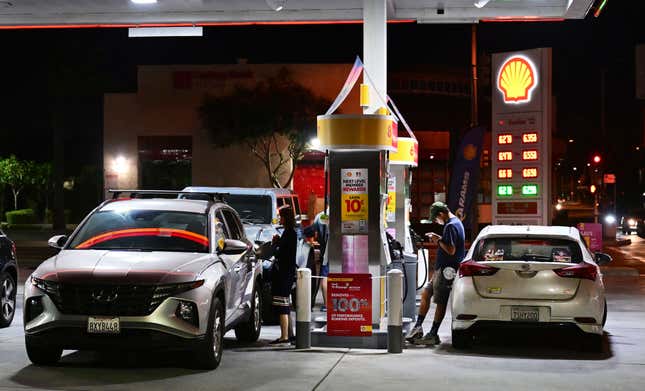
[{"x": 165, "y": 162}]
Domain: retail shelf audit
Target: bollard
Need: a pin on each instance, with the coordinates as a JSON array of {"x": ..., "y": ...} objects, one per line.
[
  {"x": 395, "y": 311},
  {"x": 303, "y": 309}
]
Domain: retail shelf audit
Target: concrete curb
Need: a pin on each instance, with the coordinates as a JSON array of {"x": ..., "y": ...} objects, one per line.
[{"x": 619, "y": 271}]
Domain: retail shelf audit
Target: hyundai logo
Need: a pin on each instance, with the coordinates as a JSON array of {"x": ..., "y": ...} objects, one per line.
[{"x": 105, "y": 295}]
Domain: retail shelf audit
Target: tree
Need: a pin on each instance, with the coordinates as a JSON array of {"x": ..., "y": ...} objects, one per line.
[
  {"x": 257, "y": 116},
  {"x": 16, "y": 174}
]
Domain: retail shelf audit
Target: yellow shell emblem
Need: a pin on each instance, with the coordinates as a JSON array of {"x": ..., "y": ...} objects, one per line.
[
  {"x": 470, "y": 152},
  {"x": 516, "y": 80}
]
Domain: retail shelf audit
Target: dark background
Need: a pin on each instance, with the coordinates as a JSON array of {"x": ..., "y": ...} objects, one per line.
[{"x": 52, "y": 78}]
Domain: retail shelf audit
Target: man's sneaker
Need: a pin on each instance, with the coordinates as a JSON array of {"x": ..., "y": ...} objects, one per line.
[
  {"x": 414, "y": 334},
  {"x": 429, "y": 339}
]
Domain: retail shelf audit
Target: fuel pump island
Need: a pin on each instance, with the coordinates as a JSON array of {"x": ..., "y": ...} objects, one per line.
[{"x": 362, "y": 178}]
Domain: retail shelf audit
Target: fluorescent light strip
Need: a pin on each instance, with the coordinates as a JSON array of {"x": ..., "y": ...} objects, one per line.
[
  {"x": 141, "y": 32},
  {"x": 143, "y": 1}
]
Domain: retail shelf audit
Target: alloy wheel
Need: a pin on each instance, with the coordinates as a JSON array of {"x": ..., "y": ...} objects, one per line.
[{"x": 7, "y": 297}]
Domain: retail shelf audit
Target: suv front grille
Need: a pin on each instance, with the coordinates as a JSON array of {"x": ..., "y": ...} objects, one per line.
[{"x": 112, "y": 300}]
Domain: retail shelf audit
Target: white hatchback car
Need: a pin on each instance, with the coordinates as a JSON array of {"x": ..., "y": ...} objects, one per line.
[{"x": 529, "y": 276}]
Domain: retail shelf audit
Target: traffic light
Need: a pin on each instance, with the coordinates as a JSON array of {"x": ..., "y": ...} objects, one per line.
[
  {"x": 592, "y": 189},
  {"x": 596, "y": 158}
]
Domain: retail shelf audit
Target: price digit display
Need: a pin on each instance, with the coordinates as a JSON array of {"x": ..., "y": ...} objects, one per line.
[
  {"x": 529, "y": 138},
  {"x": 505, "y": 139},
  {"x": 504, "y": 173},
  {"x": 530, "y": 154},
  {"x": 529, "y": 190},
  {"x": 504, "y": 190},
  {"x": 531, "y": 172},
  {"x": 353, "y": 205},
  {"x": 505, "y": 156}
]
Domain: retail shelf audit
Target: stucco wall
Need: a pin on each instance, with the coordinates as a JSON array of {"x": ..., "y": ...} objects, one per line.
[{"x": 166, "y": 105}]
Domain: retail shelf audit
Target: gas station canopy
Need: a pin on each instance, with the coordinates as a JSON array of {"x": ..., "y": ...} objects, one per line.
[{"x": 130, "y": 13}]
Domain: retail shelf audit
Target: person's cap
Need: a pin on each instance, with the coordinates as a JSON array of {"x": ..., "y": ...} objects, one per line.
[{"x": 436, "y": 208}]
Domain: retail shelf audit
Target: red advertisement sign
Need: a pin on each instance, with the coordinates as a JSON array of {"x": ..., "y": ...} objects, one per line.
[
  {"x": 349, "y": 304},
  {"x": 592, "y": 234}
]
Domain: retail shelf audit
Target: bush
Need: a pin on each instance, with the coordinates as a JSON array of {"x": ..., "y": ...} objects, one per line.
[
  {"x": 49, "y": 216},
  {"x": 21, "y": 216}
]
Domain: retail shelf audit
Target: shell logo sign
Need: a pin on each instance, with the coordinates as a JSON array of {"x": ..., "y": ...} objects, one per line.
[{"x": 517, "y": 79}]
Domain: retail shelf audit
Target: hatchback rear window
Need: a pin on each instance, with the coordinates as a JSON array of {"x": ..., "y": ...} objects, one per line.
[{"x": 534, "y": 249}]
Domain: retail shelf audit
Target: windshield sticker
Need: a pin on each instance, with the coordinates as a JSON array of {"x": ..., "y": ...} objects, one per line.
[
  {"x": 561, "y": 255},
  {"x": 494, "y": 255}
]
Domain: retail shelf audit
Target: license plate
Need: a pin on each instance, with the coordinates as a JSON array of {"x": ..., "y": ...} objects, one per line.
[
  {"x": 103, "y": 325},
  {"x": 525, "y": 314}
]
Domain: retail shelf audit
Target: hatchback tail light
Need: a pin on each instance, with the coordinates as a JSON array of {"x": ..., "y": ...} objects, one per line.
[
  {"x": 475, "y": 269},
  {"x": 583, "y": 270}
]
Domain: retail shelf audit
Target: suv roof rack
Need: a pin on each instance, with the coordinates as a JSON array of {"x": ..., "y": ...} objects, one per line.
[{"x": 135, "y": 193}]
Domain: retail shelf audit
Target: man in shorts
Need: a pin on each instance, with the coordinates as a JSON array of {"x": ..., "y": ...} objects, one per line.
[{"x": 450, "y": 252}]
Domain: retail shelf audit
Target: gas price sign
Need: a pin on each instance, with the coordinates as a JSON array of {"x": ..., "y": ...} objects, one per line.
[
  {"x": 522, "y": 137},
  {"x": 349, "y": 312},
  {"x": 354, "y": 207}
]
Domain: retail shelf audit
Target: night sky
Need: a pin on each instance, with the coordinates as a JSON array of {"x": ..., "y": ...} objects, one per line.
[{"x": 75, "y": 67}]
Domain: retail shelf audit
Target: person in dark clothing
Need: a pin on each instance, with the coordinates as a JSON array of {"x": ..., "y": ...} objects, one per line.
[
  {"x": 284, "y": 273},
  {"x": 450, "y": 252}
]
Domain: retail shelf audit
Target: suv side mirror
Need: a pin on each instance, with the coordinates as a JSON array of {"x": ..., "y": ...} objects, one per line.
[
  {"x": 57, "y": 241},
  {"x": 233, "y": 247},
  {"x": 602, "y": 259}
]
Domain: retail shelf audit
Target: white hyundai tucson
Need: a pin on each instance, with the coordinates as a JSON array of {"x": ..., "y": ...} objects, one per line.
[{"x": 529, "y": 276}]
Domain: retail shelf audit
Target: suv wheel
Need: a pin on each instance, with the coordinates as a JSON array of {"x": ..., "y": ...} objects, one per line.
[
  {"x": 42, "y": 355},
  {"x": 209, "y": 355},
  {"x": 7, "y": 299},
  {"x": 461, "y": 339},
  {"x": 249, "y": 331}
]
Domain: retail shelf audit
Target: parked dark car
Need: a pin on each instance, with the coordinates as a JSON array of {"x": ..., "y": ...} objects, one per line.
[{"x": 8, "y": 280}]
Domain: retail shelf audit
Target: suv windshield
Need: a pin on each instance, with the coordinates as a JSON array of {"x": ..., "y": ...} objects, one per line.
[
  {"x": 143, "y": 230},
  {"x": 535, "y": 249},
  {"x": 252, "y": 208}
]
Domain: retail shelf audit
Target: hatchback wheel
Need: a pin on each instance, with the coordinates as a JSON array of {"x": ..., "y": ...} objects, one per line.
[
  {"x": 209, "y": 355},
  {"x": 249, "y": 331},
  {"x": 461, "y": 339},
  {"x": 7, "y": 299}
]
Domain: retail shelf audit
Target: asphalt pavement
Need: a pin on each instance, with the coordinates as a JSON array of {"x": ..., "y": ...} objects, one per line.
[{"x": 523, "y": 360}]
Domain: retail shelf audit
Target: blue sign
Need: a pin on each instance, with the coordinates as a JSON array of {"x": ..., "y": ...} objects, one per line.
[{"x": 464, "y": 180}]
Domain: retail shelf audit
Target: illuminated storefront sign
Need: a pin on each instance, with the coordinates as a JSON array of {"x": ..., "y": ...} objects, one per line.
[{"x": 517, "y": 79}]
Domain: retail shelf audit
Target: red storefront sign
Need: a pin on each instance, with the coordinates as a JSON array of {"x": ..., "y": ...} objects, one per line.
[
  {"x": 349, "y": 308},
  {"x": 517, "y": 208},
  {"x": 609, "y": 178}
]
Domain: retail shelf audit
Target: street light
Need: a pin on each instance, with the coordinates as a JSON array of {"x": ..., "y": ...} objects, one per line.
[{"x": 596, "y": 159}]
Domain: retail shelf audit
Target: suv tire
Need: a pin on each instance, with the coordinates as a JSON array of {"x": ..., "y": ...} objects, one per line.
[
  {"x": 209, "y": 355},
  {"x": 8, "y": 290},
  {"x": 249, "y": 331},
  {"x": 42, "y": 355}
]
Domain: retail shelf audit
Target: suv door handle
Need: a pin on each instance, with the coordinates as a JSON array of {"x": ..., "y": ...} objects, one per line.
[{"x": 237, "y": 268}]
